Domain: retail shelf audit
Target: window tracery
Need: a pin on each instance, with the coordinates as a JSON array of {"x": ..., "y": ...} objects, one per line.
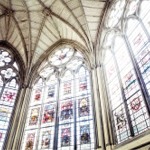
[
  {"x": 126, "y": 66},
  {"x": 9, "y": 85},
  {"x": 60, "y": 115}
]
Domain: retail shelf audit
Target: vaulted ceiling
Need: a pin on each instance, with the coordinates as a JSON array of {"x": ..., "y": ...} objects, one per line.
[{"x": 32, "y": 26}]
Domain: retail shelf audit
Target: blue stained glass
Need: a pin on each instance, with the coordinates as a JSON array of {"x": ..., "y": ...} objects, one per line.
[
  {"x": 65, "y": 136},
  {"x": 85, "y": 134}
]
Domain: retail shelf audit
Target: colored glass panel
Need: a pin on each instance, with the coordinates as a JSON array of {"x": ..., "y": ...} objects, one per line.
[{"x": 49, "y": 113}]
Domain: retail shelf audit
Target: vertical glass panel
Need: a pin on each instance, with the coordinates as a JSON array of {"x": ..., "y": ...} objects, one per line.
[
  {"x": 48, "y": 117},
  {"x": 145, "y": 14},
  {"x": 67, "y": 85},
  {"x": 30, "y": 140},
  {"x": 85, "y": 138},
  {"x": 66, "y": 111},
  {"x": 82, "y": 83},
  {"x": 59, "y": 104},
  {"x": 84, "y": 108},
  {"x": 33, "y": 117},
  {"x": 66, "y": 137},
  {"x": 121, "y": 125},
  {"x": 136, "y": 35},
  {"x": 7, "y": 101},
  {"x": 132, "y": 91},
  {"x": 37, "y": 93},
  {"x": 143, "y": 59},
  {"x": 8, "y": 90},
  {"x": 51, "y": 89},
  {"x": 115, "y": 96},
  {"x": 46, "y": 138}
]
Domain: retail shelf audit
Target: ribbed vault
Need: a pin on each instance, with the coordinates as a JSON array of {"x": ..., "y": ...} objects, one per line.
[{"x": 32, "y": 26}]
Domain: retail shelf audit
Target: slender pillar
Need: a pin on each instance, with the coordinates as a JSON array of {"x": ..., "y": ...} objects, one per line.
[
  {"x": 105, "y": 109},
  {"x": 22, "y": 120},
  {"x": 98, "y": 113}
]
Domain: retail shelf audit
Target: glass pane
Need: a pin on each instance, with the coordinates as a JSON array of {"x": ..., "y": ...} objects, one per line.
[
  {"x": 30, "y": 140},
  {"x": 60, "y": 102},
  {"x": 46, "y": 138},
  {"x": 136, "y": 35},
  {"x": 85, "y": 138},
  {"x": 143, "y": 59},
  {"x": 66, "y": 111},
  {"x": 48, "y": 117},
  {"x": 132, "y": 92},
  {"x": 61, "y": 56},
  {"x": 115, "y": 13},
  {"x": 145, "y": 14},
  {"x": 122, "y": 131},
  {"x": 132, "y": 7}
]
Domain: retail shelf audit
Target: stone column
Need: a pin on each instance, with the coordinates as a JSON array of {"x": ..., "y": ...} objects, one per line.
[
  {"x": 104, "y": 109},
  {"x": 98, "y": 113}
]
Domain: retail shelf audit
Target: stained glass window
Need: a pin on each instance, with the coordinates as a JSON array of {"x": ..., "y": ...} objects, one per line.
[
  {"x": 9, "y": 75},
  {"x": 60, "y": 115},
  {"x": 126, "y": 65}
]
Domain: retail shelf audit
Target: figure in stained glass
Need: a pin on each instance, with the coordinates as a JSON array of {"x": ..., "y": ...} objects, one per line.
[
  {"x": 82, "y": 84},
  {"x": 49, "y": 112},
  {"x": 30, "y": 141},
  {"x": 46, "y": 137},
  {"x": 34, "y": 116},
  {"x": 37, "y": 95},
  {"x": 51, "y": 91},
  {"x": 67, "y": 87},
  {"x": 66, "y": 110},
  {"x": 65, "y": 137},
  {"x": 83, "y": 107},
  {"x": 120, "y": 119},
  {"x": 85, "y": 134}
]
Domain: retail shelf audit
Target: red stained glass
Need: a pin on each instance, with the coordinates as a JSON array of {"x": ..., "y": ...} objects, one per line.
[
  {"x": 37, "y": 96},
  {"x": 67, "y": 88},
  {"x": 82, "y": 84},
  {"x": 9, "y": 96},
  {"x": 135, "y": 104},
  {"x": 49, "y": 112}
]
